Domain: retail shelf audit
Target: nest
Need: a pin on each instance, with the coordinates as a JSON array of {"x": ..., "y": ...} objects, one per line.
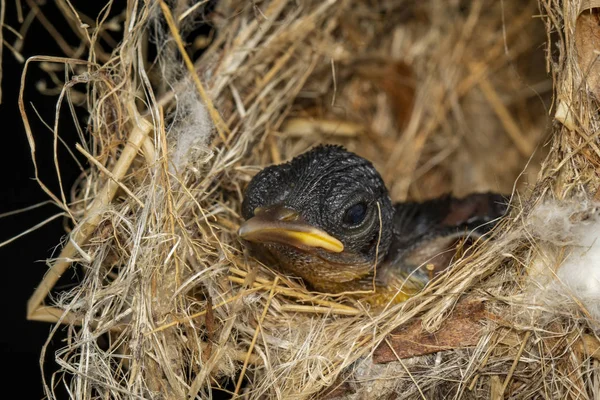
[{"x": 442, "y": 96}]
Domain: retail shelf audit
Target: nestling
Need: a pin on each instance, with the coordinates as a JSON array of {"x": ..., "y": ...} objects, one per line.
[{"x": 327, "y": 218}]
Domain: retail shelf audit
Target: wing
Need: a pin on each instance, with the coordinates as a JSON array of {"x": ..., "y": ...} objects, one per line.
[{"x": 426, "y": 234}]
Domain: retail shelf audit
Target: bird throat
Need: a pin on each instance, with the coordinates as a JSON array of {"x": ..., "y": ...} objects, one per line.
[{"x": 375, "y": 284}]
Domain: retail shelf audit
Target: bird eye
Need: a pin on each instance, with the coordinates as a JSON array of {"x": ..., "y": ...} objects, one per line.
[{"x": 355, "y": 214}]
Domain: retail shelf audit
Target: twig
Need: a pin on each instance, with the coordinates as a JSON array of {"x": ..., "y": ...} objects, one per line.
[
  {"x": 316, "y": 309},
  {"x": 82, "y": 232},
  {"x": 515, "y": 362},
  {"x": 108, "y": 173},
  {"x": 54, "y": 314}
]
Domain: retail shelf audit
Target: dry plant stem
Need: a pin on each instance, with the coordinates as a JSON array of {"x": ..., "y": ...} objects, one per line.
[
  {"x": 238, "y": 355},
  {"x": 19, "y": 11},
  {"x": 33, "y": 228},
  {"x": 53, "y": 315},
  {"x": 275, "y": 153},
  {"x": 28, "y": 132},
  {"x": 108, "y": 173},
  {"x": 316, "y": 310},
  {"x": 191, "y": 10},
  {"x": 76, "y": 24},
  {"x": 149, "y": 151},
  {"x": 496, "y": 389},
  {"x": 255, "y": 337},
  {"x": 406, "y": 369},
  {"x": 265, "y": 284},
  {"x": 462, "y": 89},
  {"x": 511, "y": 127},
  {"x": 305, "y": 126},
  {"x": 83, "y": 231},
  {"x": 201, "y": 313},
  {"x": 516, "y": 361},
  {"x": 590, "y": 346},
  {"x": 248, "y": 39},
  {"x": 165, "y": 165},
  {"x": 587, "y": 345},
  {"x": 484, "y": 361},
  {"x": 214, "y": 114}
]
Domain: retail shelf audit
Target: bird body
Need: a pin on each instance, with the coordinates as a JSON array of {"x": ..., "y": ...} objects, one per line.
[{"x": 327, "y": 218}]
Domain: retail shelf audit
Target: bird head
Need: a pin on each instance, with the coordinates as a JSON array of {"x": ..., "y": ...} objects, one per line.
[{"x": 325, "y": 216}]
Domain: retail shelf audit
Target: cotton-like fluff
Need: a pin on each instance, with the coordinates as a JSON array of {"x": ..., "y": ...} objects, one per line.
[
  {"x": 566, "y": 268},
  {"x": 192, "y": 127}
]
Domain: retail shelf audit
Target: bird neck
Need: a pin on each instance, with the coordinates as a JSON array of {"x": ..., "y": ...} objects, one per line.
[{"x": 382, "y": 285}]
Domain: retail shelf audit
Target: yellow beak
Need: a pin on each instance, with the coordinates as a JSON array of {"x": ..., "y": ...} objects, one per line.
[{"x": 277, "y": 224}]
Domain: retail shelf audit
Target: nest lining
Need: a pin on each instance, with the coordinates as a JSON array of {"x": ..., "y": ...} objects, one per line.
[{"x": 437, "y": 95}]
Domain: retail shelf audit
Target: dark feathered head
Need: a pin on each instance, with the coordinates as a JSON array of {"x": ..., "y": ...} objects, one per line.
[{"x": 320, "y": 216}]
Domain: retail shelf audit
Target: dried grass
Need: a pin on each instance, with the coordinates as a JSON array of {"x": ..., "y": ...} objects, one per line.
[{"x": 167, "y": 282}]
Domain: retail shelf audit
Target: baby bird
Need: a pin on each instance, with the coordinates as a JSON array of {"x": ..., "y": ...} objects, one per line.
[{"x": 327, "y": 218}]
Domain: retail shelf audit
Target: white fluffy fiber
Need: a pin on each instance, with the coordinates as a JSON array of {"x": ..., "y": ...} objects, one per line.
[
  {"x": 566, "y": 268},
  {"x": 192, "y": 129}
]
